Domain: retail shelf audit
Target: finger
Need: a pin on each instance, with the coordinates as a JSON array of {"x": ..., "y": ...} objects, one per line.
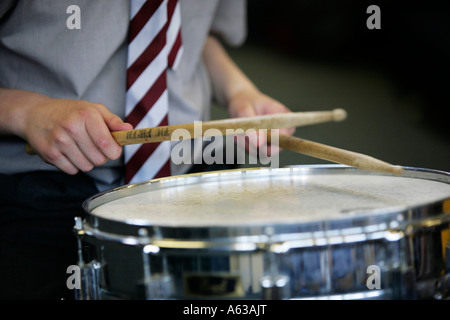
[
  {"x": 113, "y": 121},
  {"x": 247, "y": 141},
  {"x": 54, "y": 156},
  {"x": 287, "y": 131},
  {"x": 77, "y": 144},
  {"x": 269, "y": 106},
  {"x": 272, "y": 150},
  {"x": 272, "y": 141},
  {"x": 101, "y": 137},
  {"x": 65, "y": 165},
  {"x": 71, "y": 151},
  {"x": 252, "y": 140},
  {"x": 90, "y": 150}
]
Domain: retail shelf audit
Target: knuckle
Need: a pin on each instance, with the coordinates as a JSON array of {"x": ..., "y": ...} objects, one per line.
[
  {"x": 103, "y": 143},
  {"x": 99, "y": 106},
  {"x": 52, "y": 155},
  {"x": 84, "y": 113},
  {"x": 96, "y": 108},
  {"x": 60, "y": 138},
  {"x": 111, "y": 117},
  {"x": 74, "y": 124},
  {"x": 73, "y": 127}
]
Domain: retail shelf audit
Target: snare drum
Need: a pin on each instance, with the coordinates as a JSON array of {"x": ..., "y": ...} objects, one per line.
[{"x": 305, "y": 232}]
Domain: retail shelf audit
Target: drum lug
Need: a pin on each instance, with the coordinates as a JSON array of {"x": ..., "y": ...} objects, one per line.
[
  {"x": 443, "y": 285},
  {"x": 443, "y": 288},
  {"x": 438, "y": 289},
  {"x": 275, "y": 287},
  {"x": 404, "y": 284},
  {"x": 89, "y": 288},
  {"x": 158, "y": 285},
  {"x": 89, "y": 282}
]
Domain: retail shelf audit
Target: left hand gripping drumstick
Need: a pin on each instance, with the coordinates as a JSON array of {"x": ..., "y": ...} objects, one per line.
[{"x": 270, "y": 121}]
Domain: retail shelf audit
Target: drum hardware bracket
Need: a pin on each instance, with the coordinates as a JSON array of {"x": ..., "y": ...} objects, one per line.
[
  {"x": 159, "y": 285},
  {"x": 437, "y": 221},
  {"x": 275, "y": 287},
  {"x": 438, "y": 289},
  {"x": 89, "y": 282},
  {"x": 89, "y": 272},
  {"x": 156, "y": 245}
]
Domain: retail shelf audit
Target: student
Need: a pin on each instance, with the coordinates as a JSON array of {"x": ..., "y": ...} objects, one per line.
[{"x": 63, "y": 90}]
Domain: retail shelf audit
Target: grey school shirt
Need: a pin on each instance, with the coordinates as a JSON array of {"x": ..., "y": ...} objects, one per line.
[{"x": 40, "y": 53}]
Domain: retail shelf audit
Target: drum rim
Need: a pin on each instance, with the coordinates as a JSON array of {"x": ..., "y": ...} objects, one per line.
[{"x": 385, "y": 225}]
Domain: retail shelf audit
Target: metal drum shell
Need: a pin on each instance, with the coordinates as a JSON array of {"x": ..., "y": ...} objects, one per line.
[{"x": 399, "y": 241}]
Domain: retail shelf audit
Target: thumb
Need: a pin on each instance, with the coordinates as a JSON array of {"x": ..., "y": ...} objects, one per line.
[{"x": 113, "y": 121}]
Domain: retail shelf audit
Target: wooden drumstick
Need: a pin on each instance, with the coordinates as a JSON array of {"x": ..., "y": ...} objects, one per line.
[
  {"x": 226, "y": 126},
  {"x": 337, "y": 155}
]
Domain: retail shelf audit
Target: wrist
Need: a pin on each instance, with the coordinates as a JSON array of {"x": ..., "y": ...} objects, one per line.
[{"x": 16, "y": 107}]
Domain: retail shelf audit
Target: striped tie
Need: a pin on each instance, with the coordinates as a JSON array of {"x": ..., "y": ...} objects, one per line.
[{"x": 154, "y": 45}]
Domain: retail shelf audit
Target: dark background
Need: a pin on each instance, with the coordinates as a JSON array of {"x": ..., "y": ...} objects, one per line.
[
  {"x": 393, "y": 82},
  {"x": 412, "y": 46}
]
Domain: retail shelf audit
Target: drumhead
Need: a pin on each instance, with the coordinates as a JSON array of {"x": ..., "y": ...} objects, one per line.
[
  {"x": 297, "y": 196},
  {"x": 267, "y": 197}
]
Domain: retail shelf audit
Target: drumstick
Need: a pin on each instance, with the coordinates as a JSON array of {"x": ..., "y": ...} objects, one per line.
[
  {"x": 337, "y": 155},
  {"x": 226, "y": 126}
]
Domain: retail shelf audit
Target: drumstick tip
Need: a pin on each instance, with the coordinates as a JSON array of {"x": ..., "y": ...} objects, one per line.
[{"x": 339, "y": 114}]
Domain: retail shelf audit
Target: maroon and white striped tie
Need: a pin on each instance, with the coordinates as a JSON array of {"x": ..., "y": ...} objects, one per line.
[{"x": 154, "y": 46}]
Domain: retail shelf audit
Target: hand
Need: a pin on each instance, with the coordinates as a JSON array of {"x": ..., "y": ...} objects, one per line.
[
  {"x": 72, "y": 135},
  {"x": 232, "y": 88},
  {"x": 252, "y": 102}
]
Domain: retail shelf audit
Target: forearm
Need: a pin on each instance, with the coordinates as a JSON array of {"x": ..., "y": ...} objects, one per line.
[
  {"x": 14, "y": 105},
  {"x": 226, "y": 77}
]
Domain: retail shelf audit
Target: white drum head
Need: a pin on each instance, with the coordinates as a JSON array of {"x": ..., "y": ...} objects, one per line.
[{"x": 264, "y": 197}]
